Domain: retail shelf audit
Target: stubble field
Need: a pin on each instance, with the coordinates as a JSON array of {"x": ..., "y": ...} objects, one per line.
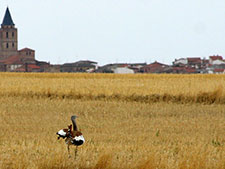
[{"x": 128, "y": 121}]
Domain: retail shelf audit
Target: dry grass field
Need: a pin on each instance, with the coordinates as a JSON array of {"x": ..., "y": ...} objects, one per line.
[{"x": 128, "y": 121}]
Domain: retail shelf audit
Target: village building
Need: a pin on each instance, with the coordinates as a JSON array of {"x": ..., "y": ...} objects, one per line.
[
  {"x": 216, "y": 60},
  {"x": 205, "y": 63},
  {"x": 12, "y": 59},
  {"x": 121, "y": 68},
  {"x": 188, "y": 65},
  {"x": 215, "y": 64},
  {"x": 194, "y": 62},
  {"x": 190, "y": 62},
  {"x": 156, "y": 67},
  {"x": 80, "y": 66},
  {"x": 136, "y": 67},
  {"x": 108, "y": 68},
  {"x": 180, "y": 62},
  {"x": 53, "y": 68}
]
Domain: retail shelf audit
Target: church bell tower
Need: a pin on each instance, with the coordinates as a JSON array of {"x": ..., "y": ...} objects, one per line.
[{"x": 8, "y": 37}]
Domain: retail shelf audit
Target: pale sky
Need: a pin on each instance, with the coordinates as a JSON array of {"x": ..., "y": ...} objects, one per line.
[{"x": 110, "y": 31}]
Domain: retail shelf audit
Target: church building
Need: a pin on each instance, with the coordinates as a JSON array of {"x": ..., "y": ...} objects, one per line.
[{"x": 12, "y": 59}]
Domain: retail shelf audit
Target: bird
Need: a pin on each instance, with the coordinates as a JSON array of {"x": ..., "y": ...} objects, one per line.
[{"x": 72, "y": 136}]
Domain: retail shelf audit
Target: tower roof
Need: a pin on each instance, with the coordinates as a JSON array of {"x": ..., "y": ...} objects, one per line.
[{"x": 7, "y": 19}]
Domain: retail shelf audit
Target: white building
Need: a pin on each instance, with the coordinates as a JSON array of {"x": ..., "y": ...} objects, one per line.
[
  {"x": 183, "y": 61},
  {"x": 123, "y": 70},
  {"x": 217, "y": 62}
]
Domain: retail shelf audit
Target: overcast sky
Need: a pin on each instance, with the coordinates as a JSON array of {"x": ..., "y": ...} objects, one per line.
[{"x": 109, "y": 31}]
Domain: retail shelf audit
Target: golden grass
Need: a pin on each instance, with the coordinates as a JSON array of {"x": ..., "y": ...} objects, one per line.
[
  {"x": 206, "y": 89},
  {"x": 120, "y": 133}
]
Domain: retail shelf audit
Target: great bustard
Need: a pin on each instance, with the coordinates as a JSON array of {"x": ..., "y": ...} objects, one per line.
[{"x": 73, "y": 137}]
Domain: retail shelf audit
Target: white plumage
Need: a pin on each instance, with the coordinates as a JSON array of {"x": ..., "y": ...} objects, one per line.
[
  {"x": 80, "y": 138},
  {"x": 61, "y": 133}
]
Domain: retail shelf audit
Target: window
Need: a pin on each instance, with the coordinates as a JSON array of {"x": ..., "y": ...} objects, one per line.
[
  {"x": 7, "y": 34},
  {"x": 13, "y": 45},
  {"x": 7, "y": 45},
  {"x": 12, "y": 34}
]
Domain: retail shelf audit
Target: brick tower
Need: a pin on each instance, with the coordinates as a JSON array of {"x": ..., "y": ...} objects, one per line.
[{"x": 8, "y": 37}]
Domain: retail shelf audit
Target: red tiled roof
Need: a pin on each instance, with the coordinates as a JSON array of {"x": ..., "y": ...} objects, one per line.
[
  {"x": 155, "y": 64},
  {"x": 219, "y": 70},
  {"x": 29, "y": 66},
  {"x": 32, "y": 66},
  {"x": 216, "y": 57},
  {"x": 12, "y": 60},
  {"x": 196, "y": 60},
  {"x": 154, "y": 67}
]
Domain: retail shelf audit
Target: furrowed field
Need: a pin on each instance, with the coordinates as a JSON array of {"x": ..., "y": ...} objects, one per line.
[{"x": 128, "y": 121}]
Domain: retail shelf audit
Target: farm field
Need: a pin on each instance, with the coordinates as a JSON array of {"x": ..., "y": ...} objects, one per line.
[{"x": 128, "y": 121}]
